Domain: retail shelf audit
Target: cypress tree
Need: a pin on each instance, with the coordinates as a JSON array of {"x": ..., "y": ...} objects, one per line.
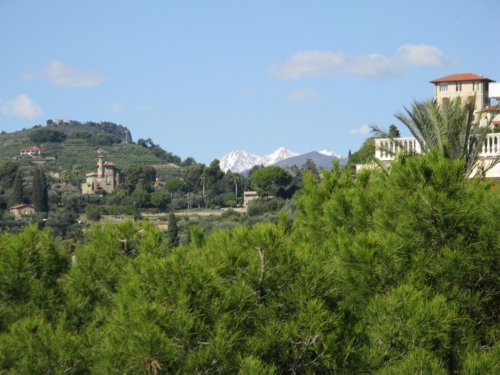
[
  {"x": 40, "y": 198},
  {"x": 18, "y": 191},
  {"x": 172, "y": 231}
]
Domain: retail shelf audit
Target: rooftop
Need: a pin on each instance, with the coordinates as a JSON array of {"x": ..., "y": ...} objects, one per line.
[
  {"x": 20, "y": 206},
  {"x": 461, "y": 77}
]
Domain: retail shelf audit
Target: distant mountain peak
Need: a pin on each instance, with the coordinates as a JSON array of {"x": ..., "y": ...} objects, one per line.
[
  {"x": 330, "y": 153},
  {"x": 239, "y": 160}
]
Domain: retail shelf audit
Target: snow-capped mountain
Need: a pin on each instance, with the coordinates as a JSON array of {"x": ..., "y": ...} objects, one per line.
[
  {"x": 330, "y": 153},
  {"x": 238, "y": 160}
]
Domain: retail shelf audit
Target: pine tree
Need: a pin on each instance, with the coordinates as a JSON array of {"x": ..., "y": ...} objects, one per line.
[
  {"x": 17, "y": 192},
  {"x": 172, "y": 231},
  {"x": 40, "y": 198}
]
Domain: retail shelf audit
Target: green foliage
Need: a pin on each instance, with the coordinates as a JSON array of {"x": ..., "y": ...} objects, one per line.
[
  {"x": 273, "y": 181},
  {"x": 18, "y": 188},
  {"x": 8, "y": 170},
  {"x": 172, "y": 231},
  {"x": 159, "y": 152},
  {"x": 140, "y": 176},
  {"x": 33, "y": 346},
  {"x": 483, "y": 361},
  {"x": 394, "y": 131},
  {"x": 158, "y": 199},
  {"x": 65, "y": 224},
  {"x": 404, "y": 321},
  {"x": 104, "y": 139},
  {"x": 80, "y": 135},
  {"x": 39, "y": 191},
  {"x": 140, "y": 197},
  {"x": 46, "y": 135},
  {"x": 365, "y": 153},
  {"x": 93, "y": 212},
  {"x": 450, "y": 127},
  {"x": 416, "y": 362},
  {"x": 31, "y": 264},
  {"x": 261, "y": 206},
  {"x": 196, "y": 236},
  {"x": 379, "y": 273}
]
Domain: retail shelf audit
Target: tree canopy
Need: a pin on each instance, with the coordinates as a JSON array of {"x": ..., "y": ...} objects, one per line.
[
  {"x": 44, "y": 135},
  {"x": 39, "y": 191},
  {"x": 272, "y": 180},
  {"x": 379, "y": 273}
]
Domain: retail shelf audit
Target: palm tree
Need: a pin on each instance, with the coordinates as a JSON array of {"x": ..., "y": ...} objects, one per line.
[
  {"x": 65, "y": 177},
  {"x": 76, "y": 171},
  {"x": 449, "y": 127}
]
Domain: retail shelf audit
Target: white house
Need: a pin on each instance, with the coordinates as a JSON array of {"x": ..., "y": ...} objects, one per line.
[{"x": 468, "y": 87}]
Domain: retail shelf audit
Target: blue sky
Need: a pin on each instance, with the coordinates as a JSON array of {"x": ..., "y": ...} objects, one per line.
[{"x": 202, "y": 78}]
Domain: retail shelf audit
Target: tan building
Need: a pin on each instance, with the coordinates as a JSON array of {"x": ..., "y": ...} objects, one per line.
[
  {"x": 22, "y": 210},
  {"x": 249, "y": 196},
  {"x": 466, "y": 86},
  {"x": 105, "y": 180}
]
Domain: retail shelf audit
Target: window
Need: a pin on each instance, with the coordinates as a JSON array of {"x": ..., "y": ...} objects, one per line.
[
  {"x": 475, "y": 86},
  {"x": 458, "y": 86},
  {"x": 443, "y": 87}
]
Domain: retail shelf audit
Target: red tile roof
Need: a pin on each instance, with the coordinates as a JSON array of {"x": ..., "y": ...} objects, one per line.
[
  {"x": 461, "y": 77},
  {"x": 34, "y": 148}
]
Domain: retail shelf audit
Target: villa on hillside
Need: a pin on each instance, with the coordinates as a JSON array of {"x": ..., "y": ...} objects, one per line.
[
  {"x": 468, "y": 87},
  {"x": 31, "y": 151},
  {"x": 22, "y": 210},
  {"x": 105, "y": 180}
]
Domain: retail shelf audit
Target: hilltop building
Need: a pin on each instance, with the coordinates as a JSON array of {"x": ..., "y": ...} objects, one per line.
[
  {"x": 105, "y": 180},
  {"x": 31, "y": 151},
  {"x": 484, "y": 92}
]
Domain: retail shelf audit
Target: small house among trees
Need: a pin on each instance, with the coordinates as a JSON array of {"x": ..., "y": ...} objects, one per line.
[
  {"x": 249, "y": 196},
  {"x": 22, "y": 210}
]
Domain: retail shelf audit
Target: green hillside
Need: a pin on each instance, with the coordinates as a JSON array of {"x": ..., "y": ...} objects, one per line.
[{"x": 74, "y": 143}]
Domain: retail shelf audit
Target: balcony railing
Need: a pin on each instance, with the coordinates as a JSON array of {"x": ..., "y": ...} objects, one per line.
[
  {"x": 491, "y": 145},
  {"x": 386, "y": 149}
]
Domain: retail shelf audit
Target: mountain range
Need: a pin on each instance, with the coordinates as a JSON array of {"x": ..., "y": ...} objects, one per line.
[{"x": 239, "y": 161}]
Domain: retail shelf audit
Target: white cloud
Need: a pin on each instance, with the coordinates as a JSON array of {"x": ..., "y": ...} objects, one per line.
[
  {"x": 362, "y": 130},
  {"x": 309, "y": 64},
  {"x": 64, "y": 75},
  {"x": 21, "y": 106},
  {"x": 303, "y": 95}
]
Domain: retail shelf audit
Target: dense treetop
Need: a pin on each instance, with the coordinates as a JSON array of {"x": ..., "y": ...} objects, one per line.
[{"x": 389, "y": 273}]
